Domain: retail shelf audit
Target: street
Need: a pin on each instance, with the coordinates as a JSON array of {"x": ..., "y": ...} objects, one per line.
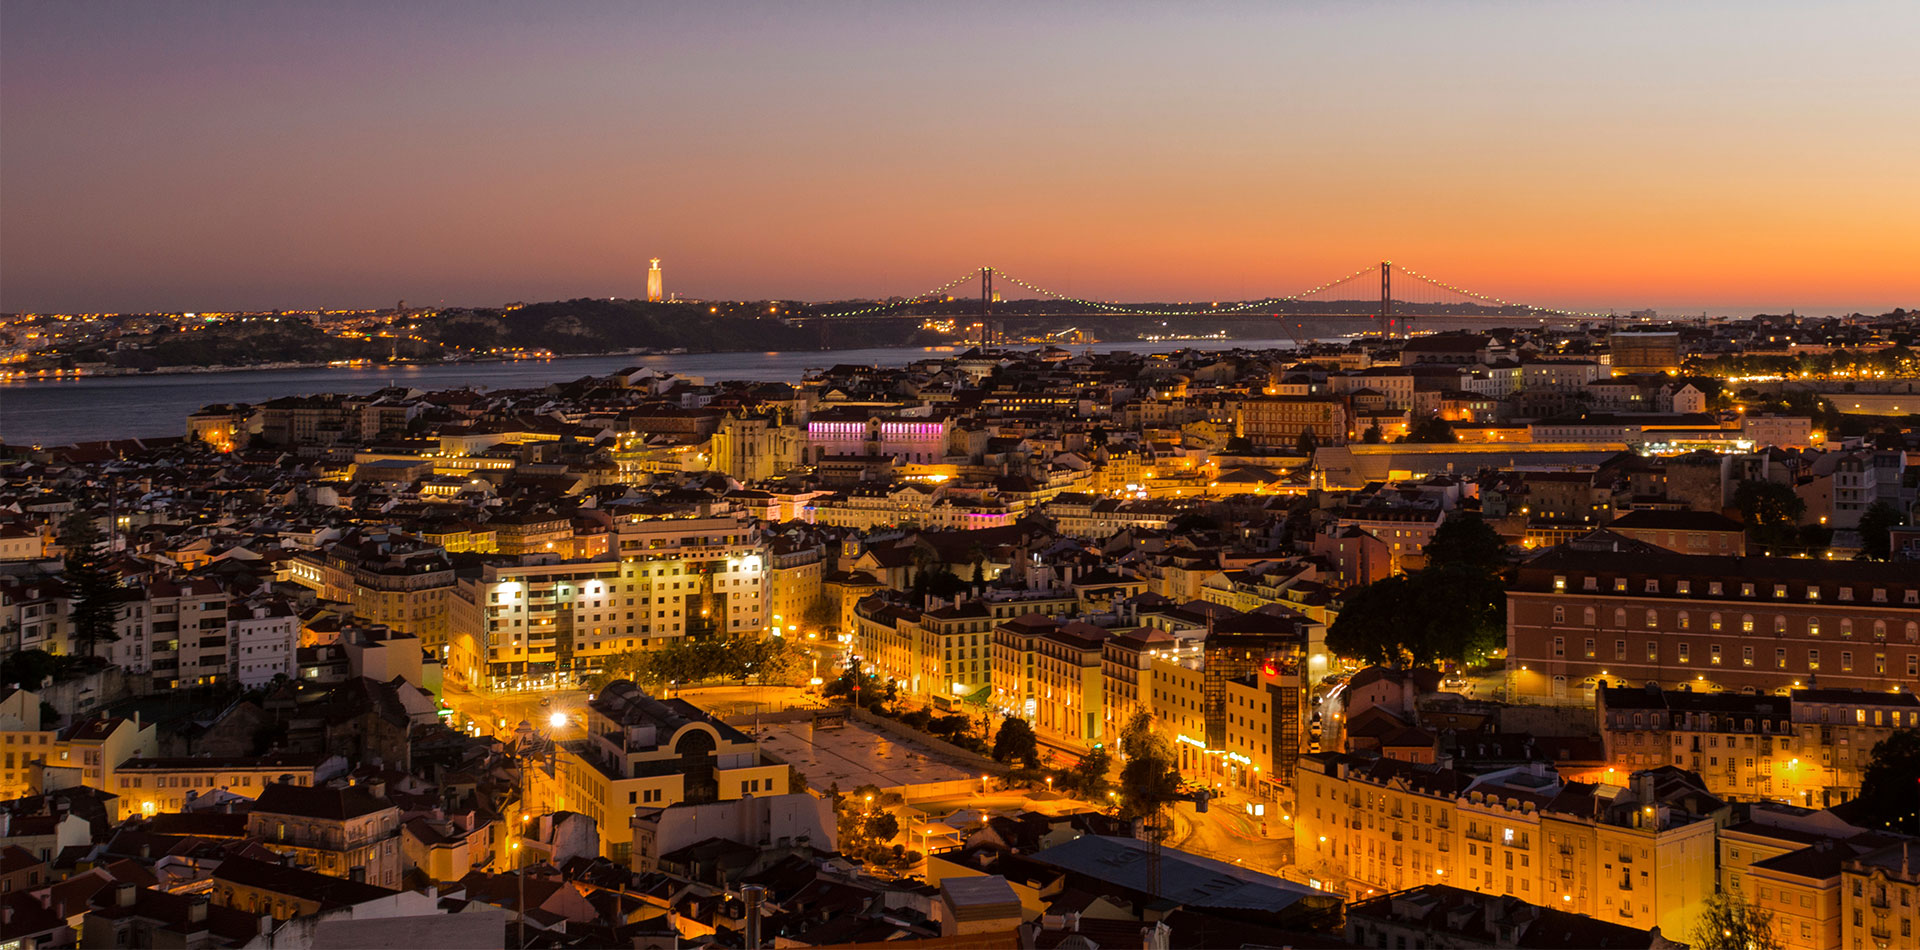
[{"x": 1227, "y": 833}]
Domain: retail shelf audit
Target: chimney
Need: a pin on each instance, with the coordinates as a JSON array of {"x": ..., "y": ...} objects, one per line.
[
  {"x": 125, "y": 894},
  {"x": 197, "y": 910},
  {"x": 751, "y": 895}
]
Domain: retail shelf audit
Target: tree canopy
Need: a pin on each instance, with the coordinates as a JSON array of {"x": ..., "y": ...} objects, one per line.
[
  {"x": 1453, "y": 610},
  {"x": 1466, "y": 540},
  {"x": 1432, "y": 429},
  {"x": 1876, "y": 525},
  {"x": 1730, "y": 923},
  {"x": 1090, "y": 774},
  {"x": 1890, "y": 786},
  {"x": 91, "y": 584},
  {"x": 725, "y": 657},
  {"x": 1150, "y": 779},
  {"x": 1771, "y": 511},
  {"x": 1015, "y": 742}
]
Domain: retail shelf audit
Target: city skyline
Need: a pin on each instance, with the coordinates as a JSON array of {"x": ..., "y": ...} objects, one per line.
[{"x": 212, "y": 157}]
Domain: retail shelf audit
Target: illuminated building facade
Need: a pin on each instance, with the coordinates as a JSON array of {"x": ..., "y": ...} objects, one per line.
[
  {"x": 541, "y": 623},
  {"x": 1642, "y": 854},
  {"x": 1619, "y": 611},
  {"x": 644, "y": 753}
]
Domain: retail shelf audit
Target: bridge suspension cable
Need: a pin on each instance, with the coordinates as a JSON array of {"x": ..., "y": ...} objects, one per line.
[
  {"x": 1152, "y": 312},
  {"x": 1206, "y": 311},
  {"x": 918, "y": 298},
  {"x": 1489, "y": 298}
]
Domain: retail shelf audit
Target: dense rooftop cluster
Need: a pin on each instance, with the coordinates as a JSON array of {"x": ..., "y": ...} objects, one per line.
[{"x": 1462, "y": 630}]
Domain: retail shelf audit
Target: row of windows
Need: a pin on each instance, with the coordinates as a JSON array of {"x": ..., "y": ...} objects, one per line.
[
  {"x": 1684, "y": 654},
  {"x": 1715, "y": 621},
  {"x": 1811, "y": 592}
]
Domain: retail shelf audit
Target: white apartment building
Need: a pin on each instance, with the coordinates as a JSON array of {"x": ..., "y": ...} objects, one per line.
[
  {"x": 544, "y": 622},
  {"x": 263, "y": 641}
]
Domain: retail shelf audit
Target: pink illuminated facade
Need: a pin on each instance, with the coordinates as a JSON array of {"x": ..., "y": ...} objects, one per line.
[{"x": 916, "y": 440}]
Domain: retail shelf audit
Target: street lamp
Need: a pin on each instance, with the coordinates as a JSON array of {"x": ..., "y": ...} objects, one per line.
[{"x": 520, "y": 876}]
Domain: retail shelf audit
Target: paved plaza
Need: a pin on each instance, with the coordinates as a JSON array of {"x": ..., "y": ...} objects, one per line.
[{"x": 855, "y": 755}]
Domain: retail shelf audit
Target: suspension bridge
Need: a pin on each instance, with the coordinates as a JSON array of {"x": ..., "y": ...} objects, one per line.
[{"x": 1392, "y": 298}]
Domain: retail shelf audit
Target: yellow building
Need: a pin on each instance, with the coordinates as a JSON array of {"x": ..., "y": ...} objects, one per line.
[
  {"x": 1809, "y": 748},
  {"x": 1641, "y": 856},
  {"x": 944, "y": 652},
  {"x": 642, "y": 752},
  {"x": 345, "y": 831},
  {"x": 533, "y": 533},
  {"x": 843, "y": 590},
  {"x": 1177, "y": 694},
  {"x": 22, "y": 742},
  {"x": 1069, "y": 688},
  {"x": 151, "y": 785},
  {"x": 98, "y": 746},
  {"x": 1880, "y": 897},
  {"x": 795, "y": 586},
  {"x": 1802, "y": 889}
]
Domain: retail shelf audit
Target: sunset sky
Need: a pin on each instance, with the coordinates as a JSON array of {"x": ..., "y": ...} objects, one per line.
[{"x": 189, "y": 156}]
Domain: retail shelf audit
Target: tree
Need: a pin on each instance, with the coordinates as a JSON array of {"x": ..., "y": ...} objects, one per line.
[
  {"x": 1451, "y": 613},
  {"x": 1238, "y": 445},
  {"x": 1015, "y": 741},
  {"x": 1467, "y": 540},
  {"x": 1432, "y": 429},
  {"x": 1090, "y": 774},
  {"x": 1771, "y": 511},
  {"x": 1876, "y": 525},
  {"x": 857, "y": 685},
  {"x": 28, "y": 668},
  {"x": 1373, "y": 435},
  {"x": 1891, "y": 779},
  {"x": 1729, "y": 923},
  {"x": 817, "y": 616},
  {"x": 1306, "y": 443},
  {"x": 1150, "y": 779},
  {"x": 882, "y": 826},
  {"x": 1371, "y": 625},
  {"x": 91, "y": 585}
]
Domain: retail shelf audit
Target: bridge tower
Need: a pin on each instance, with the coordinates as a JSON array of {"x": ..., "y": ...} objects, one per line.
[
  {"x": 986, "y": 306},
  {"x": 1386, "y": 300}
]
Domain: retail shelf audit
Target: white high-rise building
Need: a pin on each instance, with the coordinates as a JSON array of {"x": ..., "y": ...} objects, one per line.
[{"x": 655, "y": 293}]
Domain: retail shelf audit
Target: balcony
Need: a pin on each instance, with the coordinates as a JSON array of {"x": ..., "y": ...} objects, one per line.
[{"x": 1485, "y": 837}]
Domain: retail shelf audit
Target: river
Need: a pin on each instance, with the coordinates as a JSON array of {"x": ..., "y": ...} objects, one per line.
[{"x": 87, "y": 409}]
